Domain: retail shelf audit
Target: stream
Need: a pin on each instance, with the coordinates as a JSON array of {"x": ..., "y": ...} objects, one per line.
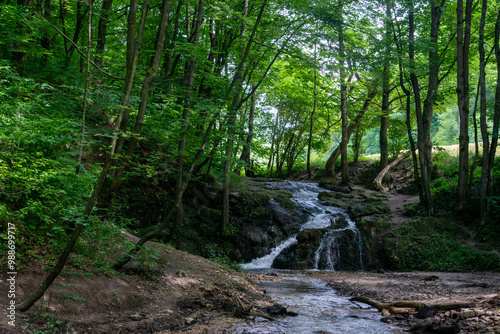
[{"x": 319, "y": 308}]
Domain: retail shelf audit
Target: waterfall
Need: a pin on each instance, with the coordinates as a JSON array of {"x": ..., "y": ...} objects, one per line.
[{"x": 340, "y": 237}]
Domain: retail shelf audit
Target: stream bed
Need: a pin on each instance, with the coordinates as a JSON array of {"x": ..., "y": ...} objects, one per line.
[{"x": 319, "y": 308}]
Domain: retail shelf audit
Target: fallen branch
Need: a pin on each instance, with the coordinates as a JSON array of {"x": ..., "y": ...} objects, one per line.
[
  {"x": 420, "y": 307},
  {"x": 377, "y": 183}
]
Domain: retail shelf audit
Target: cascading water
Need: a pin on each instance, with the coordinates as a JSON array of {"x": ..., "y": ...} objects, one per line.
[{"x": 337, "y": 231}]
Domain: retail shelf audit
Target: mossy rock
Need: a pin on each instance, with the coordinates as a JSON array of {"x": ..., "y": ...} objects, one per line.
[
  {"x": 358, "y": 203},
  {"x": 339, "y": 223}
]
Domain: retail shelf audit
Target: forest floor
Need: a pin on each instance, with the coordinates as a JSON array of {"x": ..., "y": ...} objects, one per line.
[
  {"x": 189, "y": 294},
  {"x": 184, "y": 293}
]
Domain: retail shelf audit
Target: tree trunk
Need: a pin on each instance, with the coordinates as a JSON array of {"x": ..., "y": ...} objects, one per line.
[
  {"x": 187, "y": 82},
  {"x": 237, "y": 84},
  {"x": 330, "y": 164},
  {"x": 377, "y": 183},
  {"x": 407, "y": 93},
  {"x": 433, "y": 83},
  {"x": 245, "y": 153},
  {"x": 384, "y": 119},
  {"x": 133, "y": 46},
  {"x": 311, "y": 121},
  {"x": 484, "y": 126},
  {"x": 80, "y": 16},
  {"x": 343, "y": 106},
  {"x": 418, "y": 111},
  {"x": 463, "y": 42},
  {"x": 101, "y": 31}
]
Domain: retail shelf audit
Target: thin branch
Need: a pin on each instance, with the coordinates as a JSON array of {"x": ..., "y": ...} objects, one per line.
[{"x": 80, "y": 51}]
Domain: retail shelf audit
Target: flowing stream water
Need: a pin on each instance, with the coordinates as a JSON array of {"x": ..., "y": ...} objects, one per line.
[{"x": 319, "y": 308}]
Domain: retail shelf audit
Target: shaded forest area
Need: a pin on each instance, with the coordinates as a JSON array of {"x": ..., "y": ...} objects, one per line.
[{"x": 146, "y": 115}]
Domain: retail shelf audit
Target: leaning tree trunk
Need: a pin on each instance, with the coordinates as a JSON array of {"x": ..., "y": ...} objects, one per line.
[{"x": 377, "y": 182}]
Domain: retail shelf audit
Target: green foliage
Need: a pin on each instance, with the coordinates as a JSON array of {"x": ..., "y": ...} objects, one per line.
[
  {"x": 220, "y": 254},
  {"x": 443, "y": 253},
  {"x": 72, "y": 296},
  {"x": 435, "y": 245},
  {"x": 448, "y": 130}
]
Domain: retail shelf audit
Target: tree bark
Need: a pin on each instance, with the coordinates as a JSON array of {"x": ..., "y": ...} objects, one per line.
[
  {"x": 343, "y": 105},
  {"x": 311, "y": 120},
  {"x": 433, "y": 82},
  {"x": 484, "y": 126},
  {"x": 418, "y": 111},
  {"x": 187, "y": 82},
  {"x": 101, "y": 31},
  {"x": 384, "y": 119},
  {"x": 463, "y": 42},
  {"x": 133, "y": 46},
  {"x": 377, "y": 183},
  {"x": 80, "y": 16},
  {"x": 330, "y": 164},
  {"x": 245, "y": 152},
  {"x": 236, "y": 84}
]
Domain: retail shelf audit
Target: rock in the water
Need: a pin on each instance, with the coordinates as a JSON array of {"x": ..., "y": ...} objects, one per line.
[{"x": 276, "y": 309}]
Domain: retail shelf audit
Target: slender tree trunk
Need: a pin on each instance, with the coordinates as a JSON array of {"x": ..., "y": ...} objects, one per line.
[
  {"x": 19, "y": 53},
  {"x": 343, "y": 105},
  {"x": 418, "y": 111},
  {"x": 463, "y": 42},
  {"x": 188, "y": 82},
  {"x": 330, "y": 164},
  {"x": 496, "y": 115},
  {"x": 245, "y": 153},
  {"x": 484, "y": 126},
  {"x": 433, "y": 83},
  {"x": 384, "y": 119},
  {"x": 170, "y": 49},
  {"x": 80, "y": 16},
  {"x": 236, "y": 84},
  {"x": 86, "y": 94},
  {"x": 407, "y": 93},
  {"x": 101, "y": 31},
  {"x": 133, "y": 47},
  {"x": 311, "y": 121}
]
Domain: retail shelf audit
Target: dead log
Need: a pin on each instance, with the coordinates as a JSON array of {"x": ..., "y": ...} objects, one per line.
[
  {"x": 421, "y": 308},
  {"x": 377, "y": 183}
]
